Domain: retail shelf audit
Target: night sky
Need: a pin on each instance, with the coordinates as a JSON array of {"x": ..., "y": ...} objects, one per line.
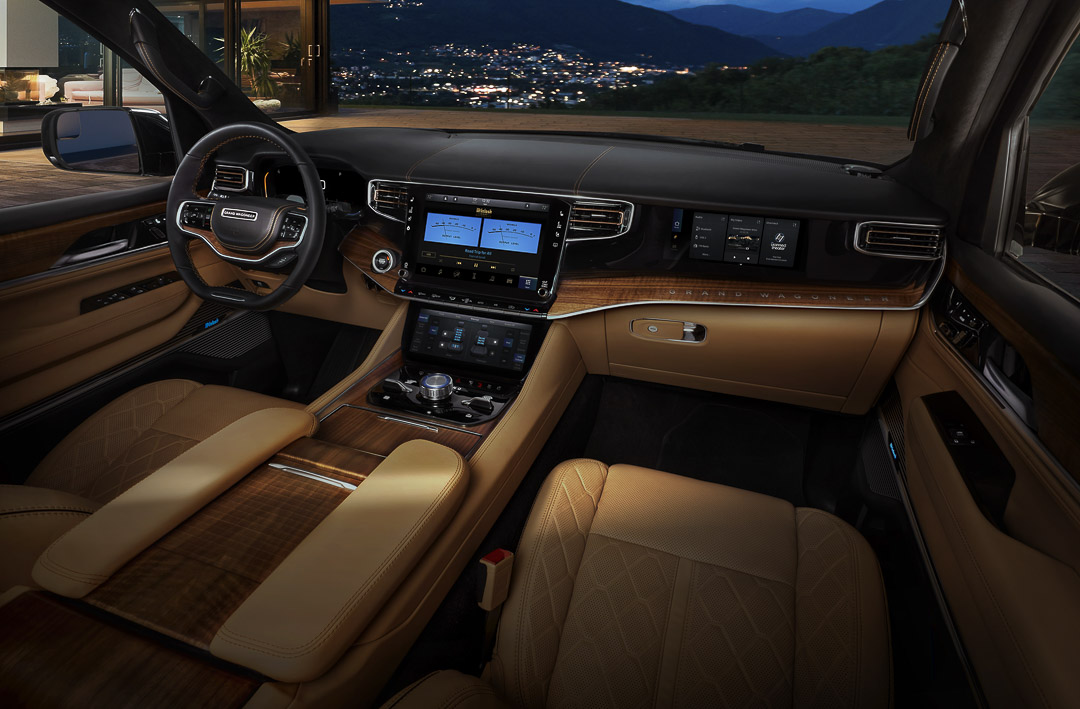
[{"x": 770, "y": 5}]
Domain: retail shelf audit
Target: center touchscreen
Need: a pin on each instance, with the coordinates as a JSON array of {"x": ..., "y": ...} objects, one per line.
[{"x": 480, "y": 244}]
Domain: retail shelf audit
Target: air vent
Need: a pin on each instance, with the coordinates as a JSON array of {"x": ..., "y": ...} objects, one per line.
[
  {"x": 231, "y": 178},
  {"x": 599, "y": 220},
  {"x": 913, "y": 241},
  {"x": 389, "y": 199}
]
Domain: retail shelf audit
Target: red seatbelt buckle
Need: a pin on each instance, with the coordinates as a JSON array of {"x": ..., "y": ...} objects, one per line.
[{"x": 498, "y": 566}]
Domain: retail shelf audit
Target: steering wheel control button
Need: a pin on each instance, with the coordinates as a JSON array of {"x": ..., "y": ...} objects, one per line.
[
  {"x": 196, "y": 215},
  {"x": 382, "y": 261},
  {"x": 436, "y": 387},
  {"x": 293, "y": 227}
]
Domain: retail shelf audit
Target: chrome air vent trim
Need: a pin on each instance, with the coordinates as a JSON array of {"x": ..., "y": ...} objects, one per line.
[
  {"x": 919, "y": 242},
  {"x": 231, "y": 178},
  {"x": 599, "y": 219},
  {"x": 388, "y": 198}
]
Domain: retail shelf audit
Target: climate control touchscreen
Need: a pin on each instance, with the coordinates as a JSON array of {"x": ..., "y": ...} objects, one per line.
[
  {"x": 504, "y": 246},
  {"x": 469, "y": 340}
]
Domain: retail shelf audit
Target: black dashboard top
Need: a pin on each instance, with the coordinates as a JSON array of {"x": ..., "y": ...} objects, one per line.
[{"x": 704, "y": 177}]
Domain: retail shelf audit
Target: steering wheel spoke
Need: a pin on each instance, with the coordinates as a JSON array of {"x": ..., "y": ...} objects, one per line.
[{"x": 246, "y": 230}]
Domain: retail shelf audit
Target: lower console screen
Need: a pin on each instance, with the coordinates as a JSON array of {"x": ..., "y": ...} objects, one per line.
[{"x": 471, "y": 340}]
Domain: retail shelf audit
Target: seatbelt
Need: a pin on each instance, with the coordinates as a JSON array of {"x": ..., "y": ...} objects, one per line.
[{"x": 497, "y": 568}]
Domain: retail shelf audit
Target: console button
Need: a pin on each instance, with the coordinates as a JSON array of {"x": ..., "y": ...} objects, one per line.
[{"x": 382, "y": 261}]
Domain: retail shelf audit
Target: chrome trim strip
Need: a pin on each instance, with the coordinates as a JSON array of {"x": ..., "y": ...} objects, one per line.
[
  {"x": 312, "y": 476},
  {"x": 247, "y": 179},
  {"x": 230, "y": 257},
  {"x": 860, "y": 225},
  {"x": 416, "y": 424},
  {"x": 574, "y": 199}
]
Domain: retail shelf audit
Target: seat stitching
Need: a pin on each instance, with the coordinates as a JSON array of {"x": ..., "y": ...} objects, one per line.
[
  {"x": 533, "y": 553},
  {"x": 48, "y": 508},
  {"x": 48, "y": 513},
  {"x": 694, "y": 559}
]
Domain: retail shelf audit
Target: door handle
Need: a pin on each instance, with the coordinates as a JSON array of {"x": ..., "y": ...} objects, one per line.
[
  {"x": 1013, "y": 396},
  {"x": 91, "y": 254}
]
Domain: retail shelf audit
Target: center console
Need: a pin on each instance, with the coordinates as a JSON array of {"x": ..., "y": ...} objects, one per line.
[
  {"x": 482, "y": 249},
  {"x": 459, "y": 366}
]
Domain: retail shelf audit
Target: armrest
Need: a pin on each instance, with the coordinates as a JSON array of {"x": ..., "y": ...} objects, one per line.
[
  {"x": 302, "y": 618},
  {"x": 94, "y": 549}
]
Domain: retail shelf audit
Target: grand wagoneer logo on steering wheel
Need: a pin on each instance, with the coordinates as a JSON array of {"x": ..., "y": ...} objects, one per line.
[{"x": 246, "y": 215}]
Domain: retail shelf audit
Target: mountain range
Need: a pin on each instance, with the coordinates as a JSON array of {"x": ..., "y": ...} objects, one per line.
[
  {"x": 613, "y": 30},
  {"x": 751, "y": 22},
  {"x": 887, "y": 23},
  {"x": 804, "y": 31},
  {"x": 605, "y": 29}
]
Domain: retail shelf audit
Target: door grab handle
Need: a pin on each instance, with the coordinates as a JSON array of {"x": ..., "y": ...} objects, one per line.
[
  {"x": 1020, "y": 403},
  {"x": 91, "y": 254}
]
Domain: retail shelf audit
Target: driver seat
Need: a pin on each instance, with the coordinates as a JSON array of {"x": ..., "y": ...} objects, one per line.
[{"x": 115, "y": 448}]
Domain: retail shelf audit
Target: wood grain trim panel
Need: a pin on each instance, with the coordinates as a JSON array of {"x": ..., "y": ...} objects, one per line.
[
  {"x": 25, "y": 253},
  {"x": 54, "y": 655},
  {"x": 584, "y": 292},
  {"x": 1056, "y": 391},
  {"x": 188, "y": 584},
  {"x": 360, "y": 245}
]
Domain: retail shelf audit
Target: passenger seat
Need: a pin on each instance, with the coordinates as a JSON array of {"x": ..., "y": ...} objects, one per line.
[{"x": 637, "y": 588}]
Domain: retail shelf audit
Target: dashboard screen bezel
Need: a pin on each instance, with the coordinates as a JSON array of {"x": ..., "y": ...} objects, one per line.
[{"x": 552, "y": 244}]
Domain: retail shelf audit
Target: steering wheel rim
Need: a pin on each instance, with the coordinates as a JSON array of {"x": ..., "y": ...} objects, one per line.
[{"x": 244, "y": 230}]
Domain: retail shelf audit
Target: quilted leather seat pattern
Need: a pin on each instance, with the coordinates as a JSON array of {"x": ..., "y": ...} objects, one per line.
[
  {"x": 636, "y": 588},
  {"x": 141, "y": 431}
]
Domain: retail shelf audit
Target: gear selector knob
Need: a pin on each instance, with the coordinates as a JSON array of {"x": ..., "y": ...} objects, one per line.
[{"x": 436, "y": 387}]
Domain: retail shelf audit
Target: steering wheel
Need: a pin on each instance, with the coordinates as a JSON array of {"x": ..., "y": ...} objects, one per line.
[{"x": 245, "y": 230}]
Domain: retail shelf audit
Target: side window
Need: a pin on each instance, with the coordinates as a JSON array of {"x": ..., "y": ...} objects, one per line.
[{"x": 1048, "y": 240}]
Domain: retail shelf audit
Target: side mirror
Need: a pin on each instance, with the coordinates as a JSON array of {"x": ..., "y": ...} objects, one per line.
[{"x": 117, "y": 140}]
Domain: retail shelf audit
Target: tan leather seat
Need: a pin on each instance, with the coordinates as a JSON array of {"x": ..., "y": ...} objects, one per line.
[
  {"x": 105, "y": 455},
  {"x": 636, "y": 588}
]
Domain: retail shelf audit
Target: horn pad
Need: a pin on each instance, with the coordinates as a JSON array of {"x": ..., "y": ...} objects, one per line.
[{"x": 249, "y": 225}]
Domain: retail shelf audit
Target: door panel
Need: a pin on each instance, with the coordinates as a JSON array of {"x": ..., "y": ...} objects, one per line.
[
  {"x": 51, "y": 341},
  {"x": 1012, "y": 587},
  {"x": 25, "y": 253}
]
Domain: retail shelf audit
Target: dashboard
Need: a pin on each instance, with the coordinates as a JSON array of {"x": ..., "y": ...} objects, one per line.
[{"x": 551, "y": 226}]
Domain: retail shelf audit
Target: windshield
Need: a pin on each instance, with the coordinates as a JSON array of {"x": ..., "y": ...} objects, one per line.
[{"x": 828, "y": 77}]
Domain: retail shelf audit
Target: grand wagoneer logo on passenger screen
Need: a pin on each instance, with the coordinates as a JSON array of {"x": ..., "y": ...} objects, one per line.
[{"x": 230, "y": 213}]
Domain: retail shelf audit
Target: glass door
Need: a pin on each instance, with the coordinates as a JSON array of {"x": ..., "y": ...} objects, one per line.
[
  {"x": 277, "y": 54},
  {"x": 270, "y": 48}
]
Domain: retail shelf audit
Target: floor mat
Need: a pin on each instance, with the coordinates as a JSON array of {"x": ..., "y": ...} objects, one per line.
[{"x": 748, "y": 444}]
